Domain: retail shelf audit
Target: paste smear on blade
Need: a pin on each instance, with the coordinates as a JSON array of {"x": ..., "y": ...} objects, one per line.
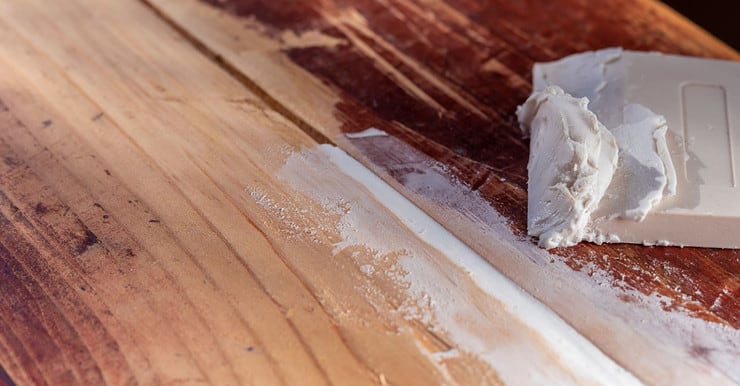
[
  {"x": 579, "y": 156},
  {"x": 572, "y": 186},
  {"x": 643, "y": 177}
]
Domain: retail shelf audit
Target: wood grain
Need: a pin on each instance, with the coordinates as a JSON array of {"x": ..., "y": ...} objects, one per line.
[
  {"x": 445, "y": 78},
  {"x": 146, "y": 239}
]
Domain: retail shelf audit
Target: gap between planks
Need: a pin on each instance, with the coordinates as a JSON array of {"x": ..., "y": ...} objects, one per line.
[{"x": 240, "y": 77}]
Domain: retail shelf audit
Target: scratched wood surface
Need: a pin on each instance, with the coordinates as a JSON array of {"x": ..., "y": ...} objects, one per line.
[
  {"x": 146, "y": 239},
  {"x": 443, "y": 78},
  {"x": 157, "y": 227}
]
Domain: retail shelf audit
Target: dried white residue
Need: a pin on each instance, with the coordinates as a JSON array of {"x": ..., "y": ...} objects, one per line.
[
  {"x": 525, "y": 342},
  {"x": 371, "y": 132},
  {"x": 265, "y": 39},
  {"x": 294, "y": 220},
  {"x": 367, "y": 269},
  {"x": 310, "y": 38}
]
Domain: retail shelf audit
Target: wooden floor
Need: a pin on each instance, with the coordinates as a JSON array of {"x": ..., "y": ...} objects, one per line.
[{"x": 168, "y": 215}]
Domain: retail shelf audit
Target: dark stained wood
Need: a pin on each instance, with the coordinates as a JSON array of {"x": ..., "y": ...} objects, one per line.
[{"x": 5, "y": 378}]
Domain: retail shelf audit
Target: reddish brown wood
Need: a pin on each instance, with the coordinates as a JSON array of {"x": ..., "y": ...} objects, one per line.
[
  {"x": 5, "y": 378},
  {"x": 49, "y": 316},
  {"x": 454, "y": 39}
]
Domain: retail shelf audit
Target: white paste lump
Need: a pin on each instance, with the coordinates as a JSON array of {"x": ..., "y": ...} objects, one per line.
[
  {"x": 590, "y": 162},
  {"x": 578, "y": 156}
]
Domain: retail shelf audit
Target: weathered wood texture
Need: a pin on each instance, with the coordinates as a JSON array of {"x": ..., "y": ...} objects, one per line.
[
  {"x": 445, "y": 77},
  {"x": 145, "y": 237}
]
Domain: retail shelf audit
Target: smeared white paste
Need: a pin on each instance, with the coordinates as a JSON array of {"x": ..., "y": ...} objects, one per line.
[
  {"x": 684, "y": 349},
  {"x": 642, "y": 179},
  {"x": 577, "y": 103},
  {"x": 573, "y": 157},
  {"x": 577, "y": 353}
]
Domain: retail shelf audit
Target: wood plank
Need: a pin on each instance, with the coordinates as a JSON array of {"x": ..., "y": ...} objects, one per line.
[
  {"x": 443, "y": 79},
  {"x": 161, "y": 224}
]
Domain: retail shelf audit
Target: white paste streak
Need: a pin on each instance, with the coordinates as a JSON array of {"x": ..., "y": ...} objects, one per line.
[{"x": 582, "y": 358}]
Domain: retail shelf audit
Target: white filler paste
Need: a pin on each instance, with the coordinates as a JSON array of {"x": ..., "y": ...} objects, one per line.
[
  {"x": 573, "y": 158},
  {"x": 592, "y": 156},
  {"x": 579, "y": 355}
]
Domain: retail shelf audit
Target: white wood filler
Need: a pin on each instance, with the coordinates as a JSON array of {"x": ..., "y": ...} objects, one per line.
[
  {"x": 675, "y": 119},
  {"x": 434, "y": 300},
  {"x": 572, "y": 161},
  {"x": 573, "y": 168}
]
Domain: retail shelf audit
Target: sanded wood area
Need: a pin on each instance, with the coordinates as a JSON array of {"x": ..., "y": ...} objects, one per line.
[
  {"x": 443, "y": 78},
  {"x": 162, "y": 223}
]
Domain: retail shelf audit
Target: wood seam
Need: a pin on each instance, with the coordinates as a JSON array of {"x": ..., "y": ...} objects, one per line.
[{"x": 240, "y": 77}]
